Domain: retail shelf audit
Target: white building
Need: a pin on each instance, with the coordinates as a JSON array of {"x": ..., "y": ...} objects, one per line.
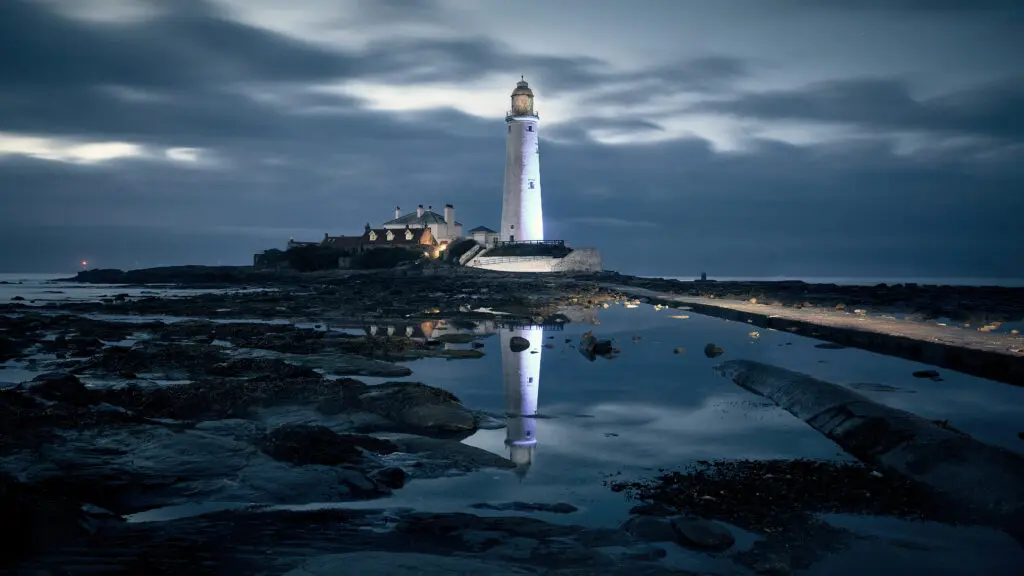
[
  {"x": 520, "y": 374},
  {"x": 483, "y": 235},
  {"x": 443, "y": 228},
  {"x": 522, "y": 217}
]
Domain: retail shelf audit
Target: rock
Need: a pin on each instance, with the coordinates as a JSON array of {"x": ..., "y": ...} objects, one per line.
[
  {"x": 418, "y": 408},
  {"x": 310, "y": 444},
  {"x": 558, "y": 508},
  {"x": 18, "y": 298},
  {"x": 391, "y": 476},
  {"x": 650, "y": 529},
  {"x": 678, "y": 350},
  {"x": 62, "y": 387},
  {"x": 929, "y": 374},
  {"x": 702, "y": 534},
  {"x": 263, "y": 367},
  {"x": 401, "y": 564},
  {"x": 438, "y": 417},
  {"x": 518, "y": 344},
  {"x": 591, "y": 347},
  {"x": 712, "y": 351}
]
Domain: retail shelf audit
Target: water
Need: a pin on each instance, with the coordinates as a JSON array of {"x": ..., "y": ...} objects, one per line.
[{"x": 578, "y": 424}]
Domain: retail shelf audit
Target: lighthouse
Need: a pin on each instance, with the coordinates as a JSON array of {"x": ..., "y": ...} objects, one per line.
[
  {"x": 522, "y": 218},
  {"x": 520, "y": 374}
]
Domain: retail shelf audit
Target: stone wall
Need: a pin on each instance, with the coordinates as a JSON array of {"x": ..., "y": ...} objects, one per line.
[
  {"x": 580, "y": 260},
  {"x": 515, "y": 263}
]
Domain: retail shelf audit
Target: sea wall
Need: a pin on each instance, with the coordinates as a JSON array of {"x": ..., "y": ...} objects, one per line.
[
  {"x": 579, "y": 260},
  {"x": 985, "y": 481},
  {"x": 515, "y": 263}
]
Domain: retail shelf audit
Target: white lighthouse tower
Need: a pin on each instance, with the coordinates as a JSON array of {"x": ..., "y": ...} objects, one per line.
[
  {"x": 522, "y": 217},
  {"x": 520, "y": 373}
]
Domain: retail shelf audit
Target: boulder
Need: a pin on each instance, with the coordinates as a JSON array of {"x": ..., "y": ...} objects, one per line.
[
  {"x": 518, "y": 344},
  {"x": 391, "y": 476},
  {"x": 713, "y": 351},
  {"x": 650, "y": 529},
  {"x": 591, "y": 347},
  {"x": 310, "y": 444},
  {"x": 62, "y": 387},
  {"x": 419, "y": 408},
  {"x": 702, "y": 534}
]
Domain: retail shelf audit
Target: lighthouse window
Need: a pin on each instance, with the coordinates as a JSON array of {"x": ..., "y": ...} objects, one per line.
[
  {"x": 531, "y": 185},
  {"x": 529, "y": 128},
  {"x": 509, "y": 128}
]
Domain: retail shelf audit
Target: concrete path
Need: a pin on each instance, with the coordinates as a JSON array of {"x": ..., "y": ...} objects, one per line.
[{"x": 997, "y": 357}]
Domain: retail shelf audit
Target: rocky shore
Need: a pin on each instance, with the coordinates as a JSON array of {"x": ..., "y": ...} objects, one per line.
[{"x": 147, "y": 403}]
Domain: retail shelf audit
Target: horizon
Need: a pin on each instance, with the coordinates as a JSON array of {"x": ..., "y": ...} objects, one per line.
[
  {"x": 971, "y": 281},
  {"x": 800, "y": 140}
]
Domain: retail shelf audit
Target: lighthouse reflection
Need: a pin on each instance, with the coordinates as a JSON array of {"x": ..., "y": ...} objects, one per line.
[{"x": 520, "y": 371}]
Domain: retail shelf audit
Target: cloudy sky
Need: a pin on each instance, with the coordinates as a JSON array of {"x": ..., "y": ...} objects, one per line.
[{"x": 739, "y": 137}]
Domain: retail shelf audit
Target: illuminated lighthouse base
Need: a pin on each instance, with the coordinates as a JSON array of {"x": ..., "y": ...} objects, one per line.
[{"x": 520, "y": 372}]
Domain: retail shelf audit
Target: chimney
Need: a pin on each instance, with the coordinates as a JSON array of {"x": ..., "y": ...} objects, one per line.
[
  {"x": 449, "y": 214},
  {"x": 398, "y": 212},
  {"x": 419, "y": 211},
  {"x": 430, "y": 208}
]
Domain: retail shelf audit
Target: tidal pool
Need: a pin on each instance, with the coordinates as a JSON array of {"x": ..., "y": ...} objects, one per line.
[{"x": 575, "y": 424}]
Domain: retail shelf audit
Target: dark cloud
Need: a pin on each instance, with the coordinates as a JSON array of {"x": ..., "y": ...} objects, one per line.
[
  {"x": 995, "y": 109},
  {"x": 290, "y": 161}
]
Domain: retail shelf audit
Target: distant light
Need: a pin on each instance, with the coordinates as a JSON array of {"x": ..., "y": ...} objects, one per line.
[{"x": 85, "y": 262}]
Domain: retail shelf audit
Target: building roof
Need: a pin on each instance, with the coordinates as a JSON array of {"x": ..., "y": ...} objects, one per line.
[
  {"x": 398, "y": 238},
  {"x": 411, "y": 219},
  {"x": 483, "y": 229},
  {"x": 343, "y": 242}
]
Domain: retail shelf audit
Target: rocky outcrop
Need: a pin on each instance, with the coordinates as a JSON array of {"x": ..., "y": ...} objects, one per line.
[
  {"x": 986, "y": 481},
  {"x": 366, "y": 542},
  {"x": 417, "y": 408},
  {"x": 308, "y": 444}
]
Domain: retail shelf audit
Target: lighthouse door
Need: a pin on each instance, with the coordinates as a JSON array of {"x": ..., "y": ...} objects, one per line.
[{"x": 512, "y": 238}]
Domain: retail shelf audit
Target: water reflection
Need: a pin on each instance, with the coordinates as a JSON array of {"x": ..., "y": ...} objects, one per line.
[{"x": 520, "y": 374}]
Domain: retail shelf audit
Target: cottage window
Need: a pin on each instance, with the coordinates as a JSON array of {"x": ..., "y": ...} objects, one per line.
[
  {"x": 373, "y": 236},
  {"x": 390, "y": 236},
  {"x": 408, "y": 234}
]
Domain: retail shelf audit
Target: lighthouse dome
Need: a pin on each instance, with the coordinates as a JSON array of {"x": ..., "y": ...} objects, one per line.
[
  {"x": 522, "y": 87},
  {"x": 522, "y": 100}
]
